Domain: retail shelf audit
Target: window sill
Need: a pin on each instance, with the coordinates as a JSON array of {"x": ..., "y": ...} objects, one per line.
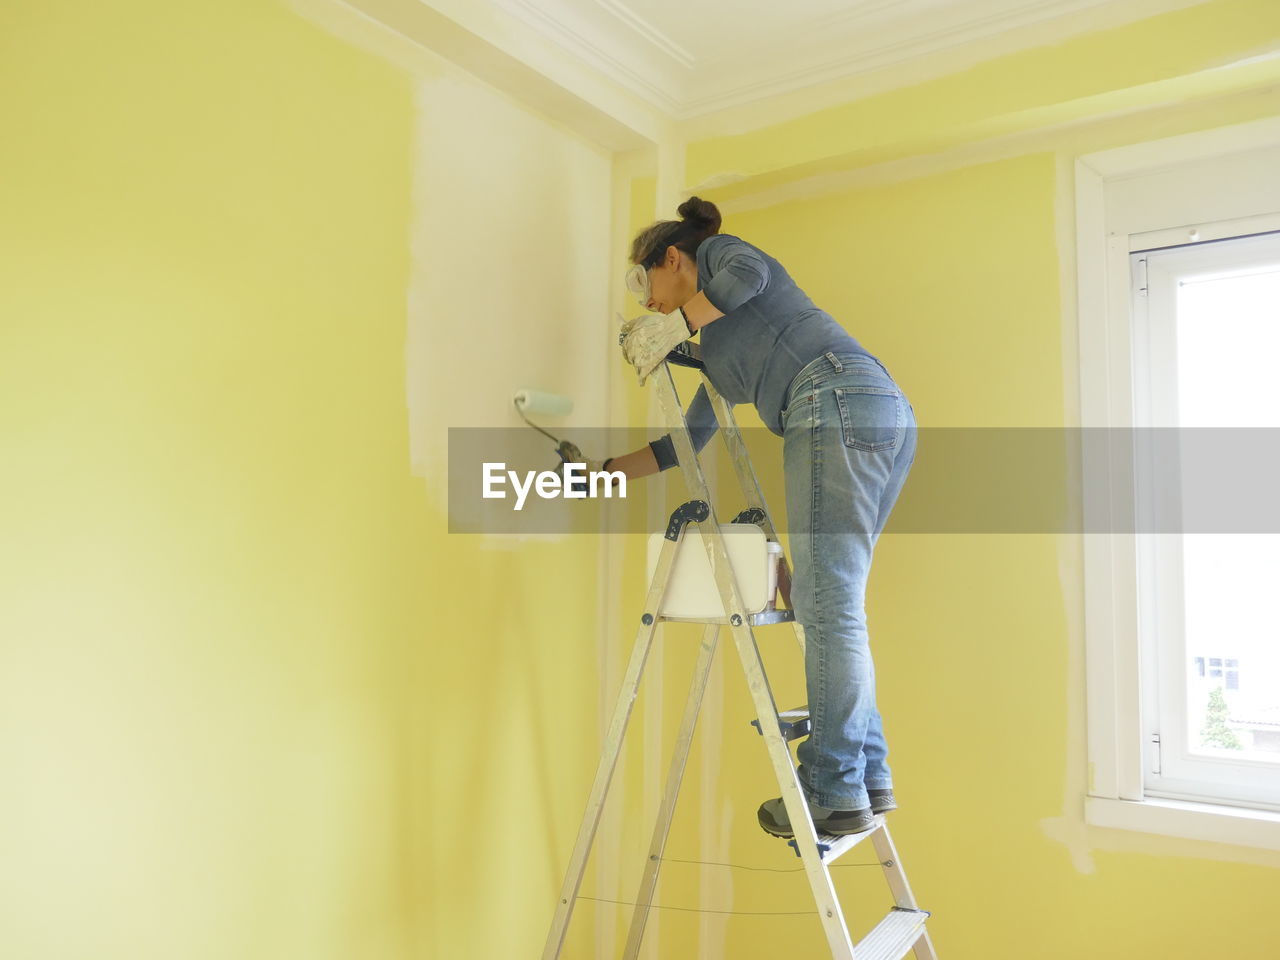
[{"x": 1180, "y": 818}]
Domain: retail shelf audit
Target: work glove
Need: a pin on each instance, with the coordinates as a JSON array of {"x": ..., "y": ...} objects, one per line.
[
  {"x": 569, "y": 453},
  {"x": 647, "y": 339}
]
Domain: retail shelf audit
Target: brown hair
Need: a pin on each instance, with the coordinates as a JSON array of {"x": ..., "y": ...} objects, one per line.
[{"x": 701, "y": 220}]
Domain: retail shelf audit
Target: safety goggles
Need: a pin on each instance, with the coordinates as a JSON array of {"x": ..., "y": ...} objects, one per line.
[{"x": 638, "y": 284}]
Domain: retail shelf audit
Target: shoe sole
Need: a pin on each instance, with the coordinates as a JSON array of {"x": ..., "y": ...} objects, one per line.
[{"x": 773, "y": 831}]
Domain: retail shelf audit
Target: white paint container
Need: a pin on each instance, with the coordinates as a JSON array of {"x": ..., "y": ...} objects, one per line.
[
  {"x": 775, "y": 556},
  {"x": 692, "y": 592}
]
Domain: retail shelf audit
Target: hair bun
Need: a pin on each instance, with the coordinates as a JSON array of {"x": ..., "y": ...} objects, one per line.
[{"x": 701, "y": 212}]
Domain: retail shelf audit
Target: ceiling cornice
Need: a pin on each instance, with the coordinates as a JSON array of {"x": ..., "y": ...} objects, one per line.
[{"x": 625, "y": 47}]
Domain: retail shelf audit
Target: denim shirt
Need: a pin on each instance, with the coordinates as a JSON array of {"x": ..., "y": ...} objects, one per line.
[{"x": 769, "y": 332}]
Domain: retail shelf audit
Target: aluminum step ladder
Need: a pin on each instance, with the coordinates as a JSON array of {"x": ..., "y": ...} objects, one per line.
[{"x": 902, "y": 930}]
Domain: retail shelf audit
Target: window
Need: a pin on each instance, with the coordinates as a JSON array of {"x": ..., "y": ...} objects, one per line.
[
  {"x": 1206, "y": 331},
  {"x": 1178, "y": 296}
]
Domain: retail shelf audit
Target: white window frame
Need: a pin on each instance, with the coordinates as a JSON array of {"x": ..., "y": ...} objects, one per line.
[
  {"x": 1141, "y": 196},
  {"x": 1176, "y": 769}
]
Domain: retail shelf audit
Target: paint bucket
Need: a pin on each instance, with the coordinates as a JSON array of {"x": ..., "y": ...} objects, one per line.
[{"x": 692, "y": 591}]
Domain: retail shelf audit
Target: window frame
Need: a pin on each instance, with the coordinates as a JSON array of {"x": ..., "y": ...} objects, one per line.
[
  {"x": 1141, "y": 196},
  {"x": 1176, "y": 770}
]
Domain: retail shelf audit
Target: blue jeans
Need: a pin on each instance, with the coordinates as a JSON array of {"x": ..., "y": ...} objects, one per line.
[{"x": 849, "y": 440}]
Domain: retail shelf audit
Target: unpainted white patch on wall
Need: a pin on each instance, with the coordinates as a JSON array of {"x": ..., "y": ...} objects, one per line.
[{"x": 510, "y": 279}]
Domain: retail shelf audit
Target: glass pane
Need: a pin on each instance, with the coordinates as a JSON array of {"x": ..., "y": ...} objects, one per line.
[
  {"x": 1228, "y": 580},
  {"x": 1228, "y": 338}
]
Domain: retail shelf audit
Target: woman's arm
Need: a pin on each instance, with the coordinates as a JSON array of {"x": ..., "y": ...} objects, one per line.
[
  {"x": 738, "y": 273},
  {"x": 635, "y": 465}
]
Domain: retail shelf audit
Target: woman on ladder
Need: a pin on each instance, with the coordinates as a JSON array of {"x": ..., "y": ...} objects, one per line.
[{"x": 849, "y": 440}]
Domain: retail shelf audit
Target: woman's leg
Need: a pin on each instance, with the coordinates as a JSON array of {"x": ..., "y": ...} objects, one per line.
[
  {"x": 848, "y": 445},
  {"x": 876, "y": 773}
]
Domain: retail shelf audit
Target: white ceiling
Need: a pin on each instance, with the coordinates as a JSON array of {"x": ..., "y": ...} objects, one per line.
[{"x": 693, "y": 57}]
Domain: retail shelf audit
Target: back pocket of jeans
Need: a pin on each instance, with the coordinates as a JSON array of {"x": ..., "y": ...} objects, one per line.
[{"x": 869, "y": 416}]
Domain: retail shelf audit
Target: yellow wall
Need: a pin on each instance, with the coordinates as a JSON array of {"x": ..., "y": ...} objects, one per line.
[
  {"x": 212, "y": 554},
  {"x": 254, "y": 701}
]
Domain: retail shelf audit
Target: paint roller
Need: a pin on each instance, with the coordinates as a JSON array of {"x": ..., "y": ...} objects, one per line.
[
  {"x": 539, "y": 402},
  {"x": 542, "y": 403}
]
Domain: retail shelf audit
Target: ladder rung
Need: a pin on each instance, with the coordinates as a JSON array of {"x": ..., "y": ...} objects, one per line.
[
  {"x": 755, "y": 619},
  {"x": 771, "y": 616},
  {"x": 793, "y": 724},
  {"x": 893, "y": 936},
  {"x": 831, "y": 847}
]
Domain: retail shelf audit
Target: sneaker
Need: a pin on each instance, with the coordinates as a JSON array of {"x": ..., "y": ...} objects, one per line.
[
  {"x": 773, "y": 819},
  {"x": 882, "y": 800}
]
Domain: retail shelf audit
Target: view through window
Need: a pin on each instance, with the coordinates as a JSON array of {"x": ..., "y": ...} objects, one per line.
[{"x": 1228, "y": 347}]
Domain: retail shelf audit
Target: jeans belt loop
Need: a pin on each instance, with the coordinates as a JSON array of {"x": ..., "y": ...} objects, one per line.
[{"x": 835, "y": 362}]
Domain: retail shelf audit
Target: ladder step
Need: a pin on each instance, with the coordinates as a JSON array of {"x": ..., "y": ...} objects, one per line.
[
  {"x": 771, "y": 616},
  {"x": 831, "y": 847},
  {"x": 762, "y": 618},
  {"x": 892, "y": 937},
  {"x": 794, "y": 724}
]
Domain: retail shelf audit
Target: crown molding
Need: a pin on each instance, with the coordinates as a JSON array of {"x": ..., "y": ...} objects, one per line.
[
  {"x": 620, "y": 43},
  {"x": 622, "y": 80},
  {"x": 609, "y": 37},
  {"x": 861, "y": 41}
]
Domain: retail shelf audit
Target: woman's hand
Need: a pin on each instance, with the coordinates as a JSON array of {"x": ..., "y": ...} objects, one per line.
[{"x": 569, "y": 453}]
